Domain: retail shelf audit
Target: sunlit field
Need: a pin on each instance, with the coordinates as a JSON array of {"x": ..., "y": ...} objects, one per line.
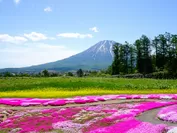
[{"x": 72, "y": 86}]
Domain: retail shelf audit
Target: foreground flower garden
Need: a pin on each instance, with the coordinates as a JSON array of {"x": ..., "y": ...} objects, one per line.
[{"x": 23, "y": 115}]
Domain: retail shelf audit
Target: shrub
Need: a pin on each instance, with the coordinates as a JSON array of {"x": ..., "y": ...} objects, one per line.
[
  {"x": 80, "y": 73},
  {"x": 70, "y": 74},
  {"x": 137, "y": 75},
  {"x": 162, "y": 75}
]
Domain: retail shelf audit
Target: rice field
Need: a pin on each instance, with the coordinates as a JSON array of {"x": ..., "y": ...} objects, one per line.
[{"x": 72, "y": 86}]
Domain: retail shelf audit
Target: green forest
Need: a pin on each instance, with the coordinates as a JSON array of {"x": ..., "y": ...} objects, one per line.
[{"x": 157, "y": 57}]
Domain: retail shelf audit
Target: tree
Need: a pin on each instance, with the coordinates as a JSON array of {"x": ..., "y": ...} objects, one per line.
[
  {"x": 109, "y": 70},
  {"x": 155, "y": 45},
  {"x": 124, "y": 59},
  {"x": 132, "y": 58},
  {"x": 139, "y": 55},
  {"x": 80, "y": 73},
  {"x": 45, "y": 73},
  {"x": 124, "y": 52},
  {"x": 165, "y": 48},
  {"x": 146, "y": 54},
  {"x": 162, "y": 52},
  {"x": 70, "y": 74},
  {"x": 121, "y": 59},
  {"x": 174, "y": 45},
  {"x": 54, "y": 74},
  {"x": 144, "y": 61},
  {"x": 116, "y": 62},
  {"x": 172, "y": 61},
  {"x": 23, "y": 74},
  {"x": 7, "y": 74}
]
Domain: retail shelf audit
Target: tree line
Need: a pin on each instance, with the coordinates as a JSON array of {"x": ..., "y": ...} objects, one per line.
[
  {"x": 146, "y": 56},
  {"x": 44, "y": 73}
]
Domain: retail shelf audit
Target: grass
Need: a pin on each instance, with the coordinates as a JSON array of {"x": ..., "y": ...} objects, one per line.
[{"x": 69, "y": 87}]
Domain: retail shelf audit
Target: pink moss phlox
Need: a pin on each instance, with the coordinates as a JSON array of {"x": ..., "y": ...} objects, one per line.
[
  {"x": 145, "y": 127},
  {"x": 168, "y": 113},
  {"x": 121, "y": 127},
  {"x": 58, "y": 102},
  {"x": 151, "y": 105},
  {"x": 67, "y": 125},
  {"x": 69, "y": 112},
  {"x": 79, "y": 99},
  {"x": 117, "y": 118}
]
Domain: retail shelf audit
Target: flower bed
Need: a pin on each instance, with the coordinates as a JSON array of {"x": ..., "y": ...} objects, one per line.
[
  {"x": 168, "y": 114},
  {"x": 79, "y": 100},
  {"x": 102, "y": 118}
]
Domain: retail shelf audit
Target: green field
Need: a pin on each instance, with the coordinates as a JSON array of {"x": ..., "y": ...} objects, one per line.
[{"x": 68, "y": 86}]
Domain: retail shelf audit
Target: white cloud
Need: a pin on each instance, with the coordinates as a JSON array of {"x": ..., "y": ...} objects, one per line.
[
  {"x": 50, "y": 46},
  {"x": 75, "y": 35},
  {"x": 12, "y": 39},
  {"x": 17, "y": 1},
  {"x": 34, "y": 36},
  {"x": 51, "y": 38},
  {"x": 48, "y": 9},
  {"x": 94, "y": 29},
  {"x": 33, "y": 54}
]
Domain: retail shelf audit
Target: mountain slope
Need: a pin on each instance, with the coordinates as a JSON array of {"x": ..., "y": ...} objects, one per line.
[{"x": 97, "y": 57}]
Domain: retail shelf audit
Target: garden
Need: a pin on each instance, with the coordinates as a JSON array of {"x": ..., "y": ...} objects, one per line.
[
  {"x": 89, "y": 114},
  {"x": 87, "y": 105}
]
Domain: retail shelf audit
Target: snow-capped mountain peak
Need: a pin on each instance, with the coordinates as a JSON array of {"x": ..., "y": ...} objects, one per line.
[{"x": 102, "y": 47}]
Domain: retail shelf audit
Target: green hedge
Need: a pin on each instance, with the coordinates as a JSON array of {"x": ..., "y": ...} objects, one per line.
[
  {"x": 164, "y": 75},
  {"x": 155, "y": 75}
]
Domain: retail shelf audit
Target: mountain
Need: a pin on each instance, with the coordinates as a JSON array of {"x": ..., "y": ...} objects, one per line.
[{"x": 97, "y": 57}]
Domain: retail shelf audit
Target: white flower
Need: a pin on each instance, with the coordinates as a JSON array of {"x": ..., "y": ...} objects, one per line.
[
  {"x": 166, "y": 97},
  {"x": 173, "y": 130}
]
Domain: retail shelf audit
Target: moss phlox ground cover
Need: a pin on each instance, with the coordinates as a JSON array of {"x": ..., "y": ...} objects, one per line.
[{"x": 102, "y": 118}]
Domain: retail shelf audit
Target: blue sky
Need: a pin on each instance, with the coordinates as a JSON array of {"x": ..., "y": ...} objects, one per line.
[{"x": 39, "y": 31}]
